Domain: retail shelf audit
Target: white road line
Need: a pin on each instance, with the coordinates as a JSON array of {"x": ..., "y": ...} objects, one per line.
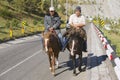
[{"x": 20, "y": 63}]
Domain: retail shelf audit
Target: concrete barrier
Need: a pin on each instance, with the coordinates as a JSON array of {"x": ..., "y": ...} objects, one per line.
[{"x": 109, "y": 51}]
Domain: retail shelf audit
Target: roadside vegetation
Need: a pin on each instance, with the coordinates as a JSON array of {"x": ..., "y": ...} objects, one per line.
[
  {"x": 111, "y": 30},
  {"x": 20, "y": 18}
]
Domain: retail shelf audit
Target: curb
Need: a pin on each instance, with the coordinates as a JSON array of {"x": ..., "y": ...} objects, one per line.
[{"x": 109, "y": 51}]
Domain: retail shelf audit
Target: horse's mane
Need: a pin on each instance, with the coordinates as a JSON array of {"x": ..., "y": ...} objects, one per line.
[{"x": 76, "y": 33}]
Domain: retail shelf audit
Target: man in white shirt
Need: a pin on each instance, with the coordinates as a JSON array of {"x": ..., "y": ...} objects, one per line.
[{"x": 77, "y": 20}]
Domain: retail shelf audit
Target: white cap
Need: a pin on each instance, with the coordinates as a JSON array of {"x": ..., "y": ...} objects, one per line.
[{"x": 51, "y": 9}]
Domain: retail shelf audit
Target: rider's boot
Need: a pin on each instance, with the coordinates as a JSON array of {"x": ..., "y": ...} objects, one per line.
[{"x": 85, "y": 46}]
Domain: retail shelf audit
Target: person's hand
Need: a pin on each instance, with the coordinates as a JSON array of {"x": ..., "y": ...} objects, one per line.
[
  {"x": 51, "y": 29},
  {"x": 76, "y": 26}
]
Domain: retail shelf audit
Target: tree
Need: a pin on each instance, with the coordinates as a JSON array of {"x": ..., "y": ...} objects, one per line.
[
  {"x": 9, "y": 1},
  {"x": 38, "y": 6},
  {"x": 18, "y": 4},
  {"x": 44, "y": 5}
]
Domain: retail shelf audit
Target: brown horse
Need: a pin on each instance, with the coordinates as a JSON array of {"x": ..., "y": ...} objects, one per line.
[
  {"x": 52, "y": 47},
  {"x": 75, "y": 46}
]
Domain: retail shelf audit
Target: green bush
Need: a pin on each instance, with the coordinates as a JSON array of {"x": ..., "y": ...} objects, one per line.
[
  {"x": 15, "y": 23},
  {"x": 7, "y": 25},
  {"x": 41, "y": 21},
  {"x": 5, "y": 13},
  {"x": 35, "y": 22},
  {"x": 62, "y": 21}
]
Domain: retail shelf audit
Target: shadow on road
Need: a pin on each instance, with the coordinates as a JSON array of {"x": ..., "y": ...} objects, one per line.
[
  {"x": 94, "y": 62},
  {"x": 68, "y": 65}
]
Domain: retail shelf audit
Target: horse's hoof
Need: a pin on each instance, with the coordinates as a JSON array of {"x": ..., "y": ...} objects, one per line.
[
  {"x": 56, "y": 67},
  {"x": 80, "y": 70},
  {"x": 53, "y": 73}
]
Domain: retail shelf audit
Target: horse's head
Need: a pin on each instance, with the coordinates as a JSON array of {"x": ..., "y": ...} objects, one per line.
[
  {"x": 75, "y": 33},
  {"x": 76, "y": 41},
  {"x": 47, "y": 37},
  {"x": 75, "y": 36}
]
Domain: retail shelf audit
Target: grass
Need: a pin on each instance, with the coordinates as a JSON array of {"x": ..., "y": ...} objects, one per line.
[
  {"x": 5, "y": 34},
  {"x": 12, "y": 14},
  {"x": 114, "y": 39},
  {"x": 29, "y": 29},
  {"x": 113, "y": 35}
]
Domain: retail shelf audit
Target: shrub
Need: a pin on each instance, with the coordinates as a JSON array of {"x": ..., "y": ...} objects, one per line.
[
  {"x": 5, "y": 13},
  {"x": 35, "y": 22},
  {"x": 7, "y": 25},
  {"x": 15, "y": 23},
  {"x": 62, "y": 21}
]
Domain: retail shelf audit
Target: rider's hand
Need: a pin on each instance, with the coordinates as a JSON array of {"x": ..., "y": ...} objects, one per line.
[
  {"x": 51, "y": 29},
  {"x": 76, "y": 26}
]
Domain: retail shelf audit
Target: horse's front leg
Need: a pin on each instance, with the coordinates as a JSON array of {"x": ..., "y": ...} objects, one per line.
[
  {"x": 74, "y": 65},
  {"x": 49, "y": 56},
  {"x": 80, "y": 62},
  {"x": 53, "y": 65},
  {"x": 57, "y": 62}
]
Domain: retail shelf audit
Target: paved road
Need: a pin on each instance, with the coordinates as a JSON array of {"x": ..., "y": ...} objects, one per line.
[{"x": 23, "y": 59}]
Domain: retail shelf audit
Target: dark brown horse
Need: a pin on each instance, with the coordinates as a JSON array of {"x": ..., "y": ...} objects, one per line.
[
  {"x": 75, "y": 46},
  {"x": 52, "y": 47}
]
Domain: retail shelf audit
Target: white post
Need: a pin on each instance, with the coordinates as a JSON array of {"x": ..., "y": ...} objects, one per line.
[
  {"x": 51, "y": 3},
  {"x": 66, "y": 9}
]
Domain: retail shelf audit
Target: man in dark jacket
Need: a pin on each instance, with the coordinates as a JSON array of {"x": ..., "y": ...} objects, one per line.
[{"x": 52, "y": 22}]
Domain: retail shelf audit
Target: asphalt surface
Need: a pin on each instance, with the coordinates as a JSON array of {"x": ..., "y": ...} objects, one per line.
[{"x": 24, "y": 59}]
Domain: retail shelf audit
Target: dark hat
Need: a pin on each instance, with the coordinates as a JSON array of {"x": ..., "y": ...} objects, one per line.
[{"x": 78, "y": 8}]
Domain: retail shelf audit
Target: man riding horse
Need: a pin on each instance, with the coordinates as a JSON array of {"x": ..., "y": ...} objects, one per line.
[
  {"x": 52, "y": 38},
  {"x": 76, "y": 21},
  {"x": 52, "y": 23}
]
